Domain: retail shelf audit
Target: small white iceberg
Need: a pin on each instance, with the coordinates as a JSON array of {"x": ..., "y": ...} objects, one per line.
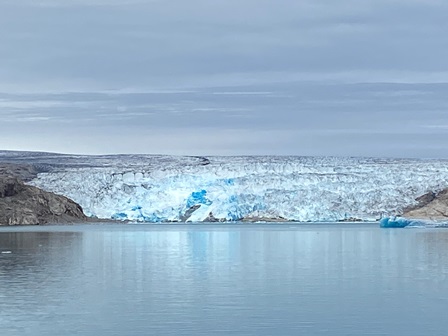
[{"x": 6, "y": 252}]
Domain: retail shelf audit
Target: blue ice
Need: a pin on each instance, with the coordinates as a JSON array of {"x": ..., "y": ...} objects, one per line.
[
  {"x": 198, "y": 197},
  {"x": 398, "y": 222}
]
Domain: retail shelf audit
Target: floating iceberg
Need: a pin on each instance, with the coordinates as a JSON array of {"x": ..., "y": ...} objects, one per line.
[
  {"x": 400, "y": 222},
  {"x": 165, "y": 188}
]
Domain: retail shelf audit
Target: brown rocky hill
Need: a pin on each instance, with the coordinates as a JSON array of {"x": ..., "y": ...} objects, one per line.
[
  {"x": 432, "y": 206},
  {"x": 21, "y": 204}
]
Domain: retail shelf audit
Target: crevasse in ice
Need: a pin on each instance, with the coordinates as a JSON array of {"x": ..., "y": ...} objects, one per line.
[{"x": 164, "y": 188}]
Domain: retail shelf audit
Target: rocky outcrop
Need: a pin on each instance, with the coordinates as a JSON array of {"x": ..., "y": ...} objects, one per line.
[
  {"x": 254, "y": 219},
  {"x": 24, "y": 172},
  {"x": 21, "y": 204},
  {"x": 212, "y": 219},
  {"x": 186, "y": 216},
  {"x": 351, "y": 220},
  {"x": 432, "y": 206}
]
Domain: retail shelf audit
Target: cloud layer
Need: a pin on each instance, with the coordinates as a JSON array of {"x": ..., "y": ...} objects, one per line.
[{"x": 225, "y": 77}]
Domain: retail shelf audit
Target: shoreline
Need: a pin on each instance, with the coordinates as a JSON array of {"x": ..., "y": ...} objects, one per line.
[
  {"x": 111, "y": 222},
  {"x": 180, "y": 226}
]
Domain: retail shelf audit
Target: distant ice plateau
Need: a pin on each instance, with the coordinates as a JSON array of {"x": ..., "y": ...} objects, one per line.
[{"x": 152, "y": 188}]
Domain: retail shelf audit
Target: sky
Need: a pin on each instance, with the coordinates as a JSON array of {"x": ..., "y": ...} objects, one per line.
[{"x": 225, "y": 77}]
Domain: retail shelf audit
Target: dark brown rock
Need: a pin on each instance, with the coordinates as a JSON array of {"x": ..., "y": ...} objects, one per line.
[
  {"x": 429, "y": 206},
  {"x": 422, "y": 201},
  {"x": 21, "y": 204},
  {"x": 252, "y": 219},
  {"x": 24, "y": 172},
  {"x": 9, "y": 187},
  {"x": 186, "y": 216},
  {"x": 351, "y": 219},
  {"x": 212, "y": 219}
]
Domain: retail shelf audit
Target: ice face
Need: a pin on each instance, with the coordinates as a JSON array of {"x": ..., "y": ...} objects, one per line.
[{"x": 158, "y": 188}]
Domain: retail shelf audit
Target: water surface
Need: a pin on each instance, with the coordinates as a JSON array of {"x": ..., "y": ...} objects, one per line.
[{"x": 223, "y": 280}]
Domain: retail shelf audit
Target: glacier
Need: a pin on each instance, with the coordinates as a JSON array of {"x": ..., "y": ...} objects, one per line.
[{"x": 154, "y": 188}]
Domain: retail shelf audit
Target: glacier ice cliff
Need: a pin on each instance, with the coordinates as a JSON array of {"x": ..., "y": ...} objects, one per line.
[{"x": 165, "y": 188}]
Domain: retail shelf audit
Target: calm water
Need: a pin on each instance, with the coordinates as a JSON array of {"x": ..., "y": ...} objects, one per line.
[{"x": 223, "y": 280}]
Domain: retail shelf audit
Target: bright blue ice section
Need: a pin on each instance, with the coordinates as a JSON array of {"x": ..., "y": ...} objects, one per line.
[
  {"x": 198, "y": 197},
  {"x": 398, "y": 222},
  {"x": 120, "y": 216},
  {"x": 239, "y": 206},
  {"x": 136, "y": 213},
  {"x": 152, "y": 218},
  {"x": 229, "y": 182}
]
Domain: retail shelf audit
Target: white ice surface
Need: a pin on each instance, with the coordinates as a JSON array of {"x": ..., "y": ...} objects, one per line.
[{"x": 160, "y": 188}]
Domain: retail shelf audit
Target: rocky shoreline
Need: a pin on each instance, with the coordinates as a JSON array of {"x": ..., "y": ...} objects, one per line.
[
  {"x": 21, "y": 204},
  {"x": 431, "y": 206}
]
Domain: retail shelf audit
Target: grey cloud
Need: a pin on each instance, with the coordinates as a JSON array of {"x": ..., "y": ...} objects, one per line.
[
  {"x": 342, "y": 77},
  {"x": 178, "y": 40}
]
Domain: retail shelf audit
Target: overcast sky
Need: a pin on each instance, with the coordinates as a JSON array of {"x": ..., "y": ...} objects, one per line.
[{"x": 202, "y": 77}]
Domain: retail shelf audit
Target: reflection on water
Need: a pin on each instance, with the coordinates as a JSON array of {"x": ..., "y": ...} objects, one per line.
[{"x": 223, "y": 280}]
